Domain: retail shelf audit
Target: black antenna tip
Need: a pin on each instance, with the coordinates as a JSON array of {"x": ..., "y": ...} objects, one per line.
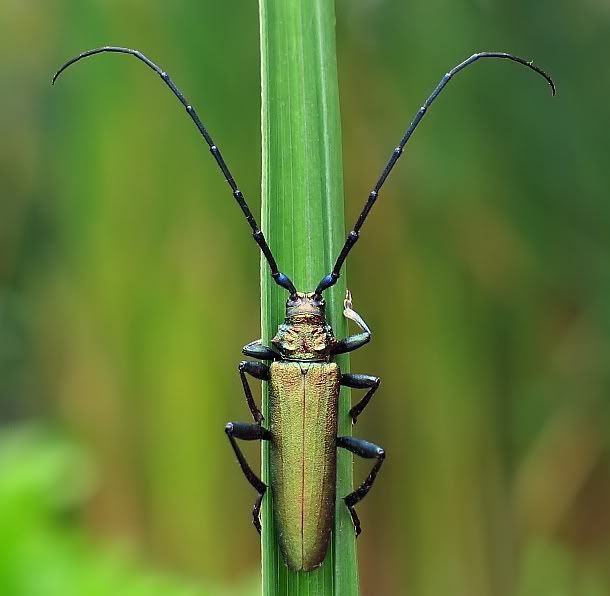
[
  {"x": 547, "y": 76},
  {"x": 61, "y": 69}
]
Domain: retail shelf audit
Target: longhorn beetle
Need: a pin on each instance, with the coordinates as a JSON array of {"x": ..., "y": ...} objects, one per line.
[{"x": 303, "y": 379}]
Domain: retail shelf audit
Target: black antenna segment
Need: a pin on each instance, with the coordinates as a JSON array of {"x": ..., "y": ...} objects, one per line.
[
  {"x": 352, "y": 237},
  {"x": 280, "y": 278}
]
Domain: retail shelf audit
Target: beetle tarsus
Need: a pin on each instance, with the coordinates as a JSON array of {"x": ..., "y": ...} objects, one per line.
[
  {"x": 355, "y": 520},
  {"x": 353, "y": 342},
  {"x": 347, "y": 303},
  {"x": 256, "y": 511}
]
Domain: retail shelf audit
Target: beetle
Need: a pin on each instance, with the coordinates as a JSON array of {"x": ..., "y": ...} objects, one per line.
[{"x": 304, "y": 380}]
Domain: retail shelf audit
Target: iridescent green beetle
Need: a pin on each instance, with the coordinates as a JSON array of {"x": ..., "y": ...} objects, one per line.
[
  {"x": 304, "y": 381},
  {"x": 303, "y": 403}
]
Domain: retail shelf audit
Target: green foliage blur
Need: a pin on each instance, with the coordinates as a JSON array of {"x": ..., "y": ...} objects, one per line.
[
  {"x": 129, "y": 283},
  {"x": 43, "y": 478}
]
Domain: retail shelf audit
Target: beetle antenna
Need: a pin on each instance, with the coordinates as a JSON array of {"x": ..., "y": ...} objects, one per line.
[
  {"x": 280, "y": 278},
  {"x": 353, "y": 236}
]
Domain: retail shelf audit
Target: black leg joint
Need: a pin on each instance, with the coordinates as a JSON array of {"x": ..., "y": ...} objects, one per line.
[{"x": 259, "y": 370}]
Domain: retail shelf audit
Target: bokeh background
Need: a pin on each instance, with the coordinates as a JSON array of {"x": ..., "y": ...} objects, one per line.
[{"x": 129, "y": 283}]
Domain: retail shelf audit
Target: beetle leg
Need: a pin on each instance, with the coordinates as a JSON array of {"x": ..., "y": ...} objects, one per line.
[
  {"x": 358, "y": 381},
  {"x": 369, "y": 451},
  {"x": 255, "y": 349},
  {"x": 353, "y": 342},
  {"x": 249, "y": 432},
  {"x": 258, "y": 370}
]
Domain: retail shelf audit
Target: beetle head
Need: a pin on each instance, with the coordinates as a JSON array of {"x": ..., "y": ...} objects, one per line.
[
  {"x": 305, "y": 334},
  {"x": 306, "y": 305}
]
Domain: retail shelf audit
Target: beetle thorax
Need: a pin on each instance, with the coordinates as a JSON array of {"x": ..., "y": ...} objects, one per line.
[{"x": 305, "y": 334}]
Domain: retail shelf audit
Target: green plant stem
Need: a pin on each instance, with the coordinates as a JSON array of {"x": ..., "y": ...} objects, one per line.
[{"x": 302, "y": 217}]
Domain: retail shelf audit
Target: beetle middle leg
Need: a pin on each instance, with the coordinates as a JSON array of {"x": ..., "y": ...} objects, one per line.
[
  {"x": 368, "y": 451},
  {"x": 247, "y": 431},
  {"x": 258, "y": 370},
  {"x": 359, "y": 381},
  {"x": 250, "y": 432}
]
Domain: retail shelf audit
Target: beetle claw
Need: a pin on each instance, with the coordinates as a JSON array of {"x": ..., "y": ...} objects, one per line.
[
  {"x": 347, "y": 303},
  {"x": 350, "y": 313}
]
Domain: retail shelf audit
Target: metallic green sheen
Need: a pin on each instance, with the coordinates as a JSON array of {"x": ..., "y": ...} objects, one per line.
[{"x": 303, "y": 402}]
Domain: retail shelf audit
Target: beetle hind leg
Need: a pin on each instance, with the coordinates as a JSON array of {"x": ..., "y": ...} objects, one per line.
[
  {"x": 368, "y": 451},
  {"x": 249, "y": 432}
]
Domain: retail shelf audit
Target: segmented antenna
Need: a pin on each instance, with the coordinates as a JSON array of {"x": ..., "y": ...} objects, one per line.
[
  {"x": 352, "y": 237},
  {"x": 280, "y": 278}
]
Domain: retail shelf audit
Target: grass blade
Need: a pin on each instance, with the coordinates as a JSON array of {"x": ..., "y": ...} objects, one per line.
[{"x": 302, "y": 217}]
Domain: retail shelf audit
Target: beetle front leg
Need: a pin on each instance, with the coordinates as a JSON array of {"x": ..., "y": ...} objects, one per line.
[
  {"x": 353, "y": 342},
  {"x": 369, "y": 451},
  {"x": 258, "y": 370},
  {"x": 249, "y": 432},
  {"x": 256, "y": 349},
  {"x": 358, "y": 381}
]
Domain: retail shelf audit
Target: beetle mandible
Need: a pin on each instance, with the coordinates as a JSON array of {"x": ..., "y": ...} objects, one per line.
[{"x": 304, "y": 381}]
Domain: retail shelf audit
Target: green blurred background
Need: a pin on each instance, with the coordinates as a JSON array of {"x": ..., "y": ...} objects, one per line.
[{"x": 129, "y": 283}]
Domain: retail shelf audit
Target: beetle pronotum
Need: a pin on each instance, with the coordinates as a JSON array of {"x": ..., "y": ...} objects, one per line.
[{"x": 304, "y": 381}]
